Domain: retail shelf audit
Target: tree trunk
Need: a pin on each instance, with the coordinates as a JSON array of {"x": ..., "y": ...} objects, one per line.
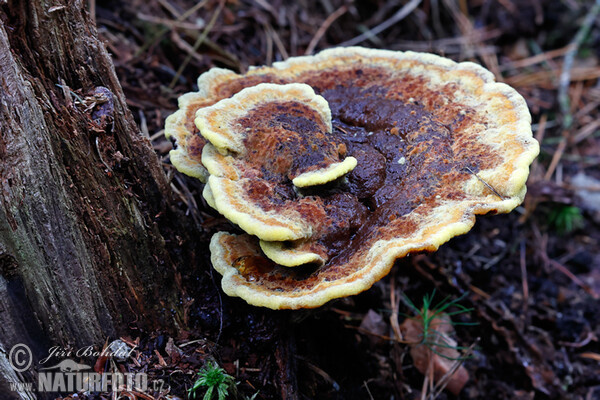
[{"x": 88, "y": 233}]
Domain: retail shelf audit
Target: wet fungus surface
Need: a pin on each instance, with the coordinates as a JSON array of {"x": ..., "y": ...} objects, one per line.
[
  {"x": 267, "y": 143},
  {"x": 335, "y": 165}
]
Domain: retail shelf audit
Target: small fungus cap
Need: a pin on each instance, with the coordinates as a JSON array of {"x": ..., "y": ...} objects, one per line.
[
  {"x": 262, "y": 141},
  {"x": 431, "y": 143}
]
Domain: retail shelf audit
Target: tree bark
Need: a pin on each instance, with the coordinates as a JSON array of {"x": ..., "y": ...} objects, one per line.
[{"x": 89, "y": 239}]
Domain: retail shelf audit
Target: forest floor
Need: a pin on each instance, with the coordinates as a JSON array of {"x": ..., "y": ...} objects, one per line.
[{"x": 529, "y": 279}]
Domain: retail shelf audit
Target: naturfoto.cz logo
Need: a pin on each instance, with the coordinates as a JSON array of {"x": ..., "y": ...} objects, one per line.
[{"x": 71, "y": 376}]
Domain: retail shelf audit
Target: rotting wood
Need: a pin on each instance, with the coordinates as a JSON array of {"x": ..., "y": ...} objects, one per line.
[{"x": 86, "y": 217}]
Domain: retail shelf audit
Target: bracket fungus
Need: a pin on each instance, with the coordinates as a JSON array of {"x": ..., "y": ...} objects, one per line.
[{"x": 336, "y": 165}]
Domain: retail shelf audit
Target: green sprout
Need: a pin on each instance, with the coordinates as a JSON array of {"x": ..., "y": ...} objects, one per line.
[
  {"x": 214, "y": 379},
  {"x": 565, "y": 219},
  {"x": 430, "y": 313}
]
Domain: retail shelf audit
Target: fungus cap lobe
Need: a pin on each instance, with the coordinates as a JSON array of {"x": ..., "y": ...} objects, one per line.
[
  {"x": 292, "y": 255},
  {"x": 261, "y": 139}
]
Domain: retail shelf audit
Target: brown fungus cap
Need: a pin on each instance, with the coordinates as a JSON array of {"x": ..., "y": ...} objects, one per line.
[
  {"x": 265, "y": 141},
  {"x": 436, "y": 142}
]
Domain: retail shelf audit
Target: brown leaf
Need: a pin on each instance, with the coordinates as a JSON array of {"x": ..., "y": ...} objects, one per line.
[
  {"x": 374, "y": 323},
  {"x": 440, "y": 350}
]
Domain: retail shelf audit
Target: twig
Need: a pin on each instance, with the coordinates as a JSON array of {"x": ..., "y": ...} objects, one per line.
[
  {"x": 268, "y": 7},
  {"x": 574, "y": 278},
  {"x": 576, "y": 94},
  {"x": 523, "y": 262},
  {"x": 368, "y": 391},
  {"x": 166, "y": 29},
  {"x": 565, "y": 75},
  {"x": 368, "y": 332},
  {"x": 536, "y": 59},
  {"x": 320, "y": 371},
  {"x": 545, "y": 79},
  {"x": 592, "y": 356},
  {"x": 323, "y": 28},
  {"x": 181, "y": 196},
  {"x": 327, "y": 6},
  {"x": 531, "y": 202},
  {"x": 480, "y": 292},
  {"x": 539, "y": 13},
  {"x": 269, "y": 45},
  {"x": 214, "y": 282},
  {"x": 199, "y": 41},
  {"x": 169, "y": 7},
  {"x": 588, "y": 338},
  {"x": 108, "y": 168},
  {"x": 173, "y": 24},
  {"x": 589, "y": 107},
  {"x": 586, "y": 131},
  {"x": 486, "y": 184},
  {"x": 447, "y": 45},
  {"x": 395, "y": 303},
  {"x": 143, "y": 123},
  {"x": 560, "y": 149},
  {"x": 223, "y": 56},
  {"x": 426, "y": 380},
  {"x": 443, "y": 382},
  {"x": 399, "y": 16},
  {"x": 191, "y": 201},
  {"x": 466, "y": 27},
  {"x": 540, "y": 129},
  {"x": 279, "y": 44},
  {"x": 273, "y": 37}
]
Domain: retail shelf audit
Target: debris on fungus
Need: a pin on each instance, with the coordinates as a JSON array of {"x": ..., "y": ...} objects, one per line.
[{"x": 336, "y": 165}]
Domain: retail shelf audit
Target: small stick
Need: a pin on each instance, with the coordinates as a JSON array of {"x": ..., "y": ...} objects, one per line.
[
  {"x": 556, "y": 158},
  {"x": 586, "y": 131},
  {"x": 480, "y": 292},
  {"x": 200, "y": 40},
  {"x": 486, "y": 184},
  {"x": 541, "y": 130},
  {"x": 574, "y": 278},
  {"x": 588, "y": 338},
  {"x": 395, "y": 303},
  {"x": 590, "y": 355},
  {"x": 441, "y": 385},
  {"x": 399, "y": 16},
  {"x": 169, "y": 7},
  {"x": 166, "y": 29},
  {"x": 269, "y": 39},
  {"x": 523, "y": 262},
  {"x": 368, "y": 391},
  {"x": 424, "y": 388},
  {"x": 565, "y": 76},
  {"x": 278, "y": 43},
  {"x": 323, "y": 28},
  {"x": 536, "y": 59}
]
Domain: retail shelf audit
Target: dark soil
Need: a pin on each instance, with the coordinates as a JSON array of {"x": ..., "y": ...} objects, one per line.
[{"x": 532, "y": 277}]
